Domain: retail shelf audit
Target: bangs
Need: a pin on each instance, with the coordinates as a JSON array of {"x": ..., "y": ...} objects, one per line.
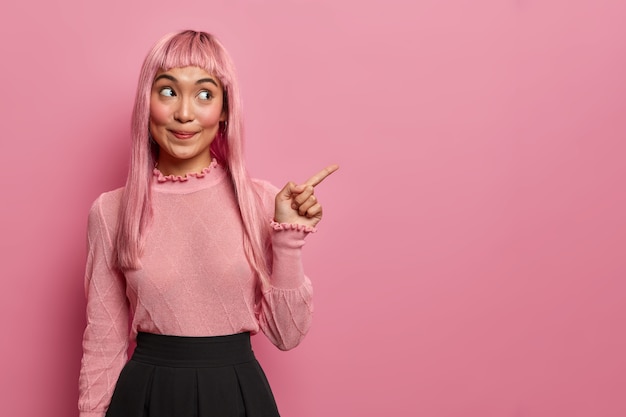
[{"x": 194, "y": 49}]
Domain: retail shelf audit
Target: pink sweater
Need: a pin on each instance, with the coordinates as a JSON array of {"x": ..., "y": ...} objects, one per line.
[{"x": 195, "y": 279}]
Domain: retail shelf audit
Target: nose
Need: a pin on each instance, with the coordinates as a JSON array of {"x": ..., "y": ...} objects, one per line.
[{"x": 184, "y": 112}]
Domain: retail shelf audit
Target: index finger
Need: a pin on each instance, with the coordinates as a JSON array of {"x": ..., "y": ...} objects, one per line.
[{"x": 319, "y": 177}]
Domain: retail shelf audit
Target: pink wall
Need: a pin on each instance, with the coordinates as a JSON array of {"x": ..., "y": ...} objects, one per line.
[{"x": 471, "y": 262}]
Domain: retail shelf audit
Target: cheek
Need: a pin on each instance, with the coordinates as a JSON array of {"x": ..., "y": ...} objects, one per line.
[
  {"x": 209, "y": 118},
  {"x": 159, "y": 114}
]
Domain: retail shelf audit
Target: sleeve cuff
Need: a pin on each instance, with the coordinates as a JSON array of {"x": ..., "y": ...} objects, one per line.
[
  {"x": 287, "y": 243},
  {"x": 292, "y": 226},
  {"x": 92, "y": 413}
]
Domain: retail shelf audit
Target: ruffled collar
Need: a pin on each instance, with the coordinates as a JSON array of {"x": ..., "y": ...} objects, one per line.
[
  {"x": 178, "y": 178},
  {"x": 190, "y": 182}
]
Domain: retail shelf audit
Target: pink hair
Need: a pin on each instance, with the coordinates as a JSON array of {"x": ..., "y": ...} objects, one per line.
[{"x": 200, "y": 49}]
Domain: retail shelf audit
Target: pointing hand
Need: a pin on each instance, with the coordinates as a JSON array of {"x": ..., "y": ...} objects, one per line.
[{"x": 297, "y": 204}]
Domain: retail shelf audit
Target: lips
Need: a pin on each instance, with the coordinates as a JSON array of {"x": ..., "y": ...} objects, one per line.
[{"x": 181, "y": 134}]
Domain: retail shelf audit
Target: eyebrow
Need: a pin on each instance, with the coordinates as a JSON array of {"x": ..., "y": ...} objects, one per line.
[{"x": 173, "y": 79}]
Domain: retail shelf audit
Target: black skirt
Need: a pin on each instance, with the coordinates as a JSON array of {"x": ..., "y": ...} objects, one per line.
[{"x": 175, "y": 376}]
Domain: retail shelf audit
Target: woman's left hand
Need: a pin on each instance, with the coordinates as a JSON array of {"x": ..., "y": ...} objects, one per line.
[{"x": 297, "y": 204}]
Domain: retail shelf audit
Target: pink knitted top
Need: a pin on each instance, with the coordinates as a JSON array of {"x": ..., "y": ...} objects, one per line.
[{"x": 194, "y": 281}]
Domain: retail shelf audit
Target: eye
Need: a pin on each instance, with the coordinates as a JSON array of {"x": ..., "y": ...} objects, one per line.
[
  {"x": 167, "y": 92},
  {"x": 205, "y": 95}
]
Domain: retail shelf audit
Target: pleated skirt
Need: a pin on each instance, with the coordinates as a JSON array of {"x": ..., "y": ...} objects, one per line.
[{"x": 175, "y": 376}]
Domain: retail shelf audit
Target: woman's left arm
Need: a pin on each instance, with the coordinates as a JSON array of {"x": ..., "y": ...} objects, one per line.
[{"x": 286, "y": 306}]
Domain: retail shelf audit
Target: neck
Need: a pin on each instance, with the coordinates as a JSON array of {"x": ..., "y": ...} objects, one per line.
[{"x": 182, "y": 167}]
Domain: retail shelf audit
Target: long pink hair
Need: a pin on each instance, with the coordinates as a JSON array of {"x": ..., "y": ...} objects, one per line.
[{"x": 200, "y": 49}]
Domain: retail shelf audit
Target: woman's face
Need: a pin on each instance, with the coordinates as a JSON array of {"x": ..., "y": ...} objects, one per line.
[{"x": 185, "y": 112}]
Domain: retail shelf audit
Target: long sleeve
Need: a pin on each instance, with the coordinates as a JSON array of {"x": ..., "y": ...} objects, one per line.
[
  {"x": 286, "y": 307},
  {"x": 105, "y": 340}
]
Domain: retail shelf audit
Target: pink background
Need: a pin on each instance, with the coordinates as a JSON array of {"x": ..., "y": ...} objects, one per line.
[{"x": 472, "y": 257}]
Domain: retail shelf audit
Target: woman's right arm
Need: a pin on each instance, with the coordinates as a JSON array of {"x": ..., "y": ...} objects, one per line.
[{"x": 105, "y": 341}]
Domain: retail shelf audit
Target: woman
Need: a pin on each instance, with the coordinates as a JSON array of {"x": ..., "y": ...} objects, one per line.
[{"x": 191, "y": 252}]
